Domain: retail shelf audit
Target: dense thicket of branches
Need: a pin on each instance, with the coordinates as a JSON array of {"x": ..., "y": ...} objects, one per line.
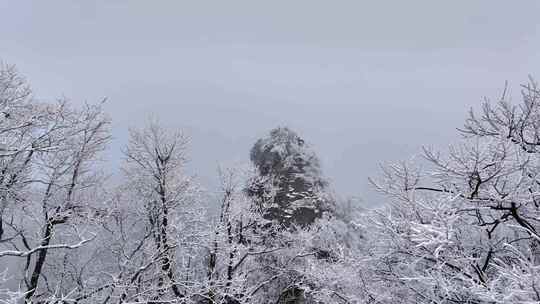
[{"x": 458, "y": 227}]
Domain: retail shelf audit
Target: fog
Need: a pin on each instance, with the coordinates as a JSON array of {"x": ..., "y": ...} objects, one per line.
[{"x": 364, "y": 82}]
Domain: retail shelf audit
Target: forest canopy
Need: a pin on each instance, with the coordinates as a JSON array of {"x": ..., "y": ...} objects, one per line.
[{"x": 457, "y": 226}]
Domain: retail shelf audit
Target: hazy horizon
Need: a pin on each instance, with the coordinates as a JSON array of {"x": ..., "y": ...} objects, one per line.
[{"x": 363, "y": 82}]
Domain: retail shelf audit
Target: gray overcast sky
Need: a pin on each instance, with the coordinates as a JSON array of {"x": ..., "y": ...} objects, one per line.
[{"x": 363, "y": 81}]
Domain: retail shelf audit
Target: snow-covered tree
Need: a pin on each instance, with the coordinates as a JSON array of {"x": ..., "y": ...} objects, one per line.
[
  {"x": 289, "y": 191},
  {"x": 164, "y": 204},
  {"x": 464, "y": 229},
  {"x": 48, "y": 155}
]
